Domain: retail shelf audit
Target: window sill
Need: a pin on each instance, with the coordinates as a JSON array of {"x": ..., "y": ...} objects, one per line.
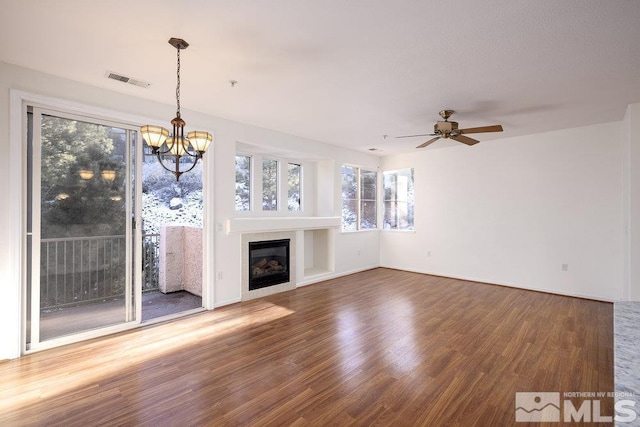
[{"x": 368, "y": 230}]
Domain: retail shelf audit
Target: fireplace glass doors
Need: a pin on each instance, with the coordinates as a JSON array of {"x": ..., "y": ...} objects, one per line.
[{"x": 268, "y": 263}]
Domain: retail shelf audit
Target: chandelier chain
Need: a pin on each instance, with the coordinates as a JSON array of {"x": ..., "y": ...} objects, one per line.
[{"x": 178, "y": 85}]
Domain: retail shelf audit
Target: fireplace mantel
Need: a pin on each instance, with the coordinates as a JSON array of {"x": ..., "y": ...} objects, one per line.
[{"x": 260, "y": 225}]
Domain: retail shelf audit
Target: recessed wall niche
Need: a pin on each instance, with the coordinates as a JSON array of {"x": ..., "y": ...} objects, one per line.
[{"x": 318, "y": 252}]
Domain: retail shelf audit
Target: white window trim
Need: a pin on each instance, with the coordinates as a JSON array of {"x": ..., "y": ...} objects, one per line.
[
  {"x": 256, "y": 209},
  {"x": 251, "y": 183},
  {"x": 278, "y": 185},
  {"x": 285, "y": 190},
  {"x": 382, "y": 200},
  {"x": 359, "y": 200}
]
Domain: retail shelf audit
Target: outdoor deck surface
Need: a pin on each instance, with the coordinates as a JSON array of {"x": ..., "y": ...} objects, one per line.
[{"x": 155, "y": 304}]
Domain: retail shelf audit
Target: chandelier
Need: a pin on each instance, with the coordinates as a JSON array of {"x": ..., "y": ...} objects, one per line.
[{"x": 174, "y": 146}]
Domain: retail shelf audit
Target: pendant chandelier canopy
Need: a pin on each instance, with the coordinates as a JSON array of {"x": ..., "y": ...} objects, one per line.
[{"x": 173, "y": 146}]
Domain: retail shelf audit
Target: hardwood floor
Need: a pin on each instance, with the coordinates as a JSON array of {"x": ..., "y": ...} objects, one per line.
[{"x": 381, "y": 347}]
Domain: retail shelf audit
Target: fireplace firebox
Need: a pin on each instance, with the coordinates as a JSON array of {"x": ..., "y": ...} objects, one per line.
[{"x": 268, "y": 263}]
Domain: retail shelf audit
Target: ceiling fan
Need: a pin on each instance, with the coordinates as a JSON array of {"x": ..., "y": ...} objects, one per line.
[{"x": 446, "y": 129}]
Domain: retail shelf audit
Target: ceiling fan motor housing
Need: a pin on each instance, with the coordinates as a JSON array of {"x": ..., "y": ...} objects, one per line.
[{"x": 445, "y": 128}]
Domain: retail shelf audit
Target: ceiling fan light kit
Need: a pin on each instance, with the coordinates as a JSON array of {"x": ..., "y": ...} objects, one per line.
[{"x": 446, "y": 129}]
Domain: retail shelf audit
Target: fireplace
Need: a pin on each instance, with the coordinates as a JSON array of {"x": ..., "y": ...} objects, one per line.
[{"x": 268, "y": 263}]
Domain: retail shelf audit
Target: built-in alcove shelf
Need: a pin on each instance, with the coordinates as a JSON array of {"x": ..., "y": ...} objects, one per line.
[
  {"x": 263, "y": 225},
  {"x": 318, "y": 253}
]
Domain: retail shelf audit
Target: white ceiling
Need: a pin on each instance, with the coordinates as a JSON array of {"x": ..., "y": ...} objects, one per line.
[{"x": 349, "y": 72}]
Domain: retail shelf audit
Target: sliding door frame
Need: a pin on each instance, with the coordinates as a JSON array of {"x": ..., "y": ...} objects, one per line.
[
  {"x": 133, "y": 236},
  {"x": 19, "y": 100}
]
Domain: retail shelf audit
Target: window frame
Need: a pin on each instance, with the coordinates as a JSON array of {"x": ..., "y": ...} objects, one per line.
[
  {"x": 251, "y": 184},
  {"x": 410, "y": 200},
  {"x": 278, "y": 177},
  {"x": 256, "y": 190},
  {"x": 299, "y": 164},
  {"x": 359, "y": 199}
]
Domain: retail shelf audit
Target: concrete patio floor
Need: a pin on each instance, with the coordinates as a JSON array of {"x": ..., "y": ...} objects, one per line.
[{"x": 70, "y": 320}]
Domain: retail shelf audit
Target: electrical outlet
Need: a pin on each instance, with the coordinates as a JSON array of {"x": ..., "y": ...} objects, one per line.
[
  {"x": 428, "y": 253},
  {"x": 565, "y": 267},
  {"x": 219, "y": 276},
  {"x": 358, "y": 252}
]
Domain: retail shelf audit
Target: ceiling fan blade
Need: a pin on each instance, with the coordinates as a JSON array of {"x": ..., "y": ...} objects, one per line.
[
  {"x": 424, "y": 144},
  {"x": 481, "y": 129},
  {"x": 465, "y": 139},
  {"x": 411, "y": 136}
]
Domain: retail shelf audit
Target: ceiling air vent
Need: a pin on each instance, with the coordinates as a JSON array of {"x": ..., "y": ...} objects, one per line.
[{"x": 124, "y": 79}]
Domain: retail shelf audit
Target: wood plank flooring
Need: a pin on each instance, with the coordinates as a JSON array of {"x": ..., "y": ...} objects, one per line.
[{"x": 381, "y": 347}]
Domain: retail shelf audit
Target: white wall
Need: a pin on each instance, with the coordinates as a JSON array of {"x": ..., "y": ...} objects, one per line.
[
  {"x": 512, "y": 211},
  {"x": 219, "y": 186}
]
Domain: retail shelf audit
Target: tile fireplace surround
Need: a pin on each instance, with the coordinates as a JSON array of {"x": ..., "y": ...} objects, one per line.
[{"x": 261, "y": 237}]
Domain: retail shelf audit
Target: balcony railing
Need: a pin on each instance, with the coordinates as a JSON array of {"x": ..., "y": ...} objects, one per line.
[
  {"x": 87, "y": 269},
  {"x": 150, "y": 261}
]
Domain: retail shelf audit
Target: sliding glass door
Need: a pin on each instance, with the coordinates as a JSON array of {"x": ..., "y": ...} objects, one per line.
[{"x": 81, "y": 237}]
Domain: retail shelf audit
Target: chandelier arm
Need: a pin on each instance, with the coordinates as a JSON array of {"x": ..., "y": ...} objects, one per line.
[
  {"x": 159, "y": 152},
  {"x": 163, "y": 165},
  {"x": 193, "y": 165},
  {"x": 177, "y": 172},
  {"x": 197, "y": 156}
]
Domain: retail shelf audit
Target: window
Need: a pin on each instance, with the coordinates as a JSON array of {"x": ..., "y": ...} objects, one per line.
[
  {"x": 398, "y": 199},
  {"x": 358, "y": 199},
  {"x": 274, "y": 193},
  {"x": 269, "y": 185},
  {"x": 294, "y": 172},
  {"x": 243, "y": 183},
  {"x": 368, "y": 218}
]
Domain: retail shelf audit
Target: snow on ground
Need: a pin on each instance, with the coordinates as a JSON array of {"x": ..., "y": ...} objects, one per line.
[
  {"x": 160, "y": 188},
  {"x": 156, "y": 212}
]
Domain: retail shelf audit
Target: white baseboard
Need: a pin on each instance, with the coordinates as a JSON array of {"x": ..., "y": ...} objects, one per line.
[
  {"x": 228, "y": 302},
  {"x": 328, "y": 276},
  {"x": 507, "y": 284}
]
